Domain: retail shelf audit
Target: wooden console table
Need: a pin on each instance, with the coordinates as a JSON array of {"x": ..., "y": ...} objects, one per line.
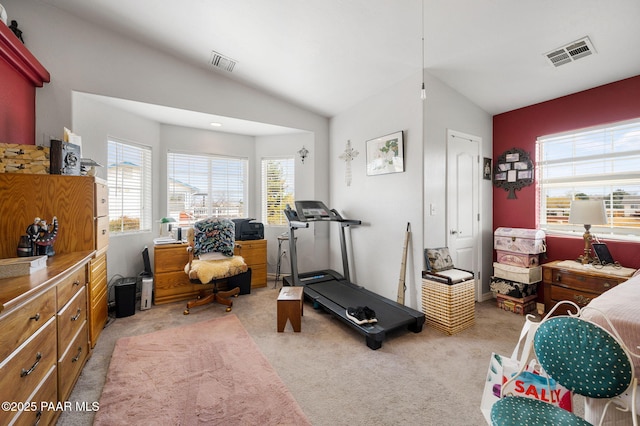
[
  {"x": 172, "y": 284},
  {"x": 569, "y": 280}
]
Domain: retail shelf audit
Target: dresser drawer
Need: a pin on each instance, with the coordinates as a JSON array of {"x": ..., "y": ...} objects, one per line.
[
  {"x": 253, "y": 252},
  {"x": 71, "y": 318},
  {"x": 258, "y": 276},
  {"x": 25, "y": 368},
  {"x": 101, "y": 199},
  {"x": 582, "y": 282},
  {"x": 581, "y": 298},
  {"x": 170, "y": 258},
  {"x": 21, "y": 323},
  {"x": 47, "y": 393},
  {"x": 102, "y": 232},
  {"x": 71, "y": 362},
  {"x": 70, "y": 285}
]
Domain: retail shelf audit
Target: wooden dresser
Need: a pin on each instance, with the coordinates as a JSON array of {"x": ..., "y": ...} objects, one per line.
[
  {"x": 81, "y": 205},
  {"x": 44, "y": 340},
  {"x": 172, "y": 284},
  {"x": 568, "y": 280}
]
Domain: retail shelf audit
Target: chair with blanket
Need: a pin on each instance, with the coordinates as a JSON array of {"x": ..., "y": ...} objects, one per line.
[
  {"x": 580, "y": 355},
  {"x": 211, "y": 243}
]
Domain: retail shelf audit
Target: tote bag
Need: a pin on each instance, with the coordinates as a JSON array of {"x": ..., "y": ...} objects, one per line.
[{"x": 532, "y": 383}]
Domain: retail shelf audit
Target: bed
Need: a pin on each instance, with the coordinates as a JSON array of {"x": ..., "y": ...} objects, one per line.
[{"x": 621, "y": 304}]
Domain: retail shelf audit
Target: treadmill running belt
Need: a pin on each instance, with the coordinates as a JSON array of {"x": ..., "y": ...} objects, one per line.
[{"x": 346, "y": 295}]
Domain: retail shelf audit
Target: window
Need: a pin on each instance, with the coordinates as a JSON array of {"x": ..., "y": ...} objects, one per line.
[
  {"x": 599, "y": 164},
  {"x": 129, "y": 177},
  {"x": 201, "y": 185},
  {"x": 278, "y": 189}
]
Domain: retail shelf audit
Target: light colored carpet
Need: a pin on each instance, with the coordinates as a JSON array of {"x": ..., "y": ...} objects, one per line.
[
  {"x": 426, "y": 378},
  {"x": 210, "y": 372}
]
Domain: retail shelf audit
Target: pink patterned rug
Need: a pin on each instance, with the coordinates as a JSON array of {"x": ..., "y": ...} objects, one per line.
[{"x": 210, "y": 372}]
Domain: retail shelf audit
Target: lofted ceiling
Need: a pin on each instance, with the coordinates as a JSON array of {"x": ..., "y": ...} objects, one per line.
[{"x": 328, "y": 55}]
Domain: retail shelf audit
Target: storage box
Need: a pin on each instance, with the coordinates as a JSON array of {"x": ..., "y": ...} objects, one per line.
[
  {"x": 520, "y": 306},
  {"x": 65, "y": 158},
  {"x": 518, "y": 273},
  {"x": 17, "y": 158},
  {"x": 24, "y": 152},
  {"x": 18, "y": 165},
  {"x": 448, "y": 308},
  {"x": 512, "y": 288},
  {"x": 520, "y": 240},
  {"x": 518, "y": 259}
]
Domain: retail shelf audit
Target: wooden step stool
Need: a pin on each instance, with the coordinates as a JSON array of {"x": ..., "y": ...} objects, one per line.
[{"x": 290, "y": 307}]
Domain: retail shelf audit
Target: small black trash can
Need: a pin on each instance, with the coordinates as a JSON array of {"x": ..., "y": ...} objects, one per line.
[
  {"x": 241, "y": 280},
  {"x": 125, "y": 297}
]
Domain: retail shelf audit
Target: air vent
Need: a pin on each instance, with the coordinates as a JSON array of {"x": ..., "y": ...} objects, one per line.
[
  {"x": 571, "y": 52},
  {"x": 223, "y": 62}
]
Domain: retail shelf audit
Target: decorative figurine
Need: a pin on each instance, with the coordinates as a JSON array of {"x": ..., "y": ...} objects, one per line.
[
  {"x": 43, "y": 236},
  {"x": 14, "y": 27}
]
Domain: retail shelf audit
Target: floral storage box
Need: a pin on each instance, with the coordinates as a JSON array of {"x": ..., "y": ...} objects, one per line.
[
  {"x": 519, "y": 240},
  {"x": 518, "y": 273}
]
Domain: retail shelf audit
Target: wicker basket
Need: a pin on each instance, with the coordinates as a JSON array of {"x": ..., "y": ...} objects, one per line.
[{"x": 448, "y": 308}]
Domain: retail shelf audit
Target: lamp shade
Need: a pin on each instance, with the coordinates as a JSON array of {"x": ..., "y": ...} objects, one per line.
[{"x": 587, "y": 212}]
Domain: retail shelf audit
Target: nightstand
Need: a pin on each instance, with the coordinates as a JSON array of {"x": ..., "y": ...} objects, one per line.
[{"x": 570, "y": 280}]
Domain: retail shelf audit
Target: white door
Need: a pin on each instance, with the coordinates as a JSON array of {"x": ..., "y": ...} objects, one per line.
[{"x": 463, "y": 176}]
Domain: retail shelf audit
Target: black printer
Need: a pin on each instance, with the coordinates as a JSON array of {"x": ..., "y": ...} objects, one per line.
[{"x": 247, "y": 229}]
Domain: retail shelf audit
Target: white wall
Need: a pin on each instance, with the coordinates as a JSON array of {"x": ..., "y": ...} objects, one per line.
[
  {"x": 385, "y": 203},
  {"x": 287, "y": 145},
  {"x": 447, "y": 109},
  {"x": 82, "y": 57},
  {"x": 96, "y": 122}
]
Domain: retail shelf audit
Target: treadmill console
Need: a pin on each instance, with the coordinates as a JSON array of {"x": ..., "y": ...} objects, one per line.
[{"x": 312, "y": 211}]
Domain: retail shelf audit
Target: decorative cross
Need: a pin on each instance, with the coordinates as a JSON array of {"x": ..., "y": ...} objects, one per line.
[{"x": 348, "y": 155}]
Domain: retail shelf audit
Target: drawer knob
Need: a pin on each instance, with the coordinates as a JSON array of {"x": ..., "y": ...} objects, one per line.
[
  {"x": 77, "y": 357},
  {"x": 76, "y": 282},
  {"x": 607, "y": 285},
  {"x": 581, "y": 299},
  {"x": 36, "y": 317},
  {"x": 77, "y": 315},
  {"x": 24, "y": 372},
  {"x": 558, "y": 278}
]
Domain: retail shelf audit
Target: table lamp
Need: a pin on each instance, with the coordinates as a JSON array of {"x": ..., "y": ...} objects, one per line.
[{"x": 587, "y": 213}]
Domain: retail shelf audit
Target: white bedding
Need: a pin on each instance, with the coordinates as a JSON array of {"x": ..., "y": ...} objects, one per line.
[{"x": 621, "y": 304}]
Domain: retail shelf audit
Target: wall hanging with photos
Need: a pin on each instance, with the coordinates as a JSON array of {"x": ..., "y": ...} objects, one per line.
[{"x": 513, "y": 171}]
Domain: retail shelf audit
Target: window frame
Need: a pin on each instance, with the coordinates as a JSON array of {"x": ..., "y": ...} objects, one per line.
[
  {"x": 287, "y": 198},
  {"x": 144, "y": 199},
  {"x": 206, "y": 210},
  {"x": 584, "y": 173}
]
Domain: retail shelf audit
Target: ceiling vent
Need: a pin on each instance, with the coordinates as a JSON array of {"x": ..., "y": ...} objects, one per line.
[
  {"x": 223, "y": 62},
  {"x": 571, "y": 52}
]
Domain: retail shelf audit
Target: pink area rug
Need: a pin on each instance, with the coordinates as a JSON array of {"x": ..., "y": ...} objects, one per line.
[{"x": 210, "y": 372}]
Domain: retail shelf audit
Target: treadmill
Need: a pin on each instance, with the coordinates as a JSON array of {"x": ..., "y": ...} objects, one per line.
[{"x": 334, "y": 292}]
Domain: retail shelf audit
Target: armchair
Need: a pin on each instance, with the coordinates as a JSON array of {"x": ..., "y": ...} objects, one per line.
[{"x": 210, "y": 246}]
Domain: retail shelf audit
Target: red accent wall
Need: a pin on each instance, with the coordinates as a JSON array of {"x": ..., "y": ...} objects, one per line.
[
  {"x": 520, "y": 128},
  {"x": 20, "y": 74}
]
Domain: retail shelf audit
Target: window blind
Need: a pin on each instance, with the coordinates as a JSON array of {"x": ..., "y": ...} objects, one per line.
[
  {"x": 129, "y": 178},
  {"x": 600, "y": 164},
  {"x": 201, "y": 185},
  {"x": 278, "y": 189}
]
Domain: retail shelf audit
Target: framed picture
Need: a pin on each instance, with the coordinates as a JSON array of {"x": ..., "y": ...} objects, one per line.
[
  {"x": 385, "y": 154},
  {"x": 486, "y": 168}
]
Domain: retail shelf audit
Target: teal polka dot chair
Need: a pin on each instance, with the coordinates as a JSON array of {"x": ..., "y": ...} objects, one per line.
[{"x": 583, "y": 357}]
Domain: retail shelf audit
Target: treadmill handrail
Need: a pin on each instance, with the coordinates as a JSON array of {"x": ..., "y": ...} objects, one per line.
[{"x": 298, "y": 224}]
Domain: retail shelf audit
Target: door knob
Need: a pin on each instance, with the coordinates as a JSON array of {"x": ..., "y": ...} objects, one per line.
[{"x": 453, "y": 232}]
